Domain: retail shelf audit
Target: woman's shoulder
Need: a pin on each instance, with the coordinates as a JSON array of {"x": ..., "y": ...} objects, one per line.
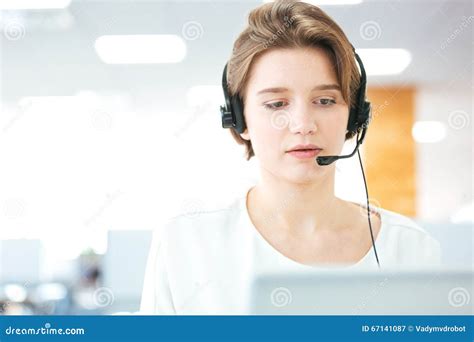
[
  {"x": 203, "y": 218},
  {"x": 393, "y": 223},
  {"x": 401, "y": 224},
  {"x": 407, "y": 240}
]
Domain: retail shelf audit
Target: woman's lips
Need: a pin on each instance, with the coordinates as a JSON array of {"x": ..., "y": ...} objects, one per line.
[{"x": 304, "y": 154}]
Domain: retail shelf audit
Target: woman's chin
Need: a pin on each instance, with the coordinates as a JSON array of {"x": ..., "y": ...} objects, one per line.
[{"x": 304, "y": 175}]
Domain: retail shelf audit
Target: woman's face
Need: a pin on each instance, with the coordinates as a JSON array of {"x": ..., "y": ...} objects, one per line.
[{"x": 292, "y": 97}]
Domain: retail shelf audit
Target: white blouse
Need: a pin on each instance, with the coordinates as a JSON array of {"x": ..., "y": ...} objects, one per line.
[{"x": 204, "y": 263}]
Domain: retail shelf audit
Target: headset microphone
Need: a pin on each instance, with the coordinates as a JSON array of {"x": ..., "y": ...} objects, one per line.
[{"x": 326, "y": 160}]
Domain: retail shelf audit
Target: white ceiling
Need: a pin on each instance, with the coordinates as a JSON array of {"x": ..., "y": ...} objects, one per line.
[{"x": 56, "y": 55}]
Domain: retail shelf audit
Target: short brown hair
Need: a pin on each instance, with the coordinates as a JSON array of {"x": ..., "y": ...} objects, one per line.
[{"x": 291, "y": 24}]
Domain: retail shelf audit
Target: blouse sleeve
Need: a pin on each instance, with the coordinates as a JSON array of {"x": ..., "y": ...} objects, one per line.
[{"x": 156, "y": 296}]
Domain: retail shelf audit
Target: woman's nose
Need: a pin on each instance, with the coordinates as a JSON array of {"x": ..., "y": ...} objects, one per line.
[{"x": 302, "y": 122}]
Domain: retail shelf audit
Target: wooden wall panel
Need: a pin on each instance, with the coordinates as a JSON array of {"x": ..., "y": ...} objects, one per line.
[{"x": 389, "y": 149}]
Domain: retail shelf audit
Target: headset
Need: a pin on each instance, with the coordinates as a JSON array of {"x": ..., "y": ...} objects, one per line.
[{"x": 232, "y": 115}]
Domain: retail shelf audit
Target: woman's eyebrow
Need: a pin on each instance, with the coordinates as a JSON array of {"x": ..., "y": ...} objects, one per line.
[{"x": 318, "y": 87}]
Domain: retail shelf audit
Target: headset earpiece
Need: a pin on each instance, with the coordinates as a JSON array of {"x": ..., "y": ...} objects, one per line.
[
  {"x": 238, "y": 110},
  {"x": 359, "y": 115},
  {"x": 232, "y": 113}
]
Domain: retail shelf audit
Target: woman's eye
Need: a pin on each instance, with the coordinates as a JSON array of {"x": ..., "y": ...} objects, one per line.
[
  {"x": 326, "y": 102},
  {"x": 274, "y": 105}
]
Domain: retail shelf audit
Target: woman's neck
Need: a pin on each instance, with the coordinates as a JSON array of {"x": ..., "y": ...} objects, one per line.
[{"x": 296, "y": 208}]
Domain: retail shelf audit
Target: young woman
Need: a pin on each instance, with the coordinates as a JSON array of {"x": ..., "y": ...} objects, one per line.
[{"x": 297, "y": 78}]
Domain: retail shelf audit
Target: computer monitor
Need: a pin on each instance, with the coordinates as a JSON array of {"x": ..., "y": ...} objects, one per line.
[{"x": 428, "y": 292}]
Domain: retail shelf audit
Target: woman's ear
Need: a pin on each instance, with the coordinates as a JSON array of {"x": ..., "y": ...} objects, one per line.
[{"x": 245, "y": 135}]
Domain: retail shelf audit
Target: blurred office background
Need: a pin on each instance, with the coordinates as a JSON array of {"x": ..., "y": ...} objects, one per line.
[{"x": 110, "y": 124}]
